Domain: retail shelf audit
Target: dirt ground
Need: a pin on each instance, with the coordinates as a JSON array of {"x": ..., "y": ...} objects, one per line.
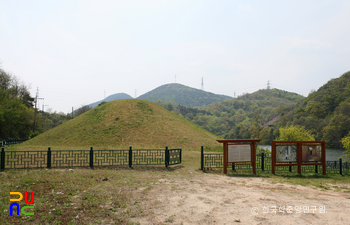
[{"x": 218, "y": 199}]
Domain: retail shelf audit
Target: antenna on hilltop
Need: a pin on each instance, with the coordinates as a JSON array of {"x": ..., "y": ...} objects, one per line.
[
  {"x": 268, "y": 84},
  {"x": 202, "y": 85}
]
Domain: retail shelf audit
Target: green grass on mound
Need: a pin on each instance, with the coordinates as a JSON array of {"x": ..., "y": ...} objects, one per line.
[{"x": 124, "y": 123}]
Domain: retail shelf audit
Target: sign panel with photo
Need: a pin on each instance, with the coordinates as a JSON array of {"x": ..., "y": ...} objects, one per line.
[
  {"x": 286, "y": 153},
  {"x": 239, "y": 153},
  {"x": 311, "y": 153}
]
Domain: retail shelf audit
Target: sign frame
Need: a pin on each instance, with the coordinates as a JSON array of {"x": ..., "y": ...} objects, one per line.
[
  {"x": 251, "y": 142},
  {"x": 300, "y": 158}
]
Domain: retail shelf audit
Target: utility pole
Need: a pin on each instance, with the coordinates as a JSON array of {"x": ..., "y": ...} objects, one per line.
[
  {"x": 36, "y": 102},
  {"x": 268, "y": 85},
  {"x": 44, "y": 105}
]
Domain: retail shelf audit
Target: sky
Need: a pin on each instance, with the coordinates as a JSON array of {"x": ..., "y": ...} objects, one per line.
[{"x": 76, "y": 52}]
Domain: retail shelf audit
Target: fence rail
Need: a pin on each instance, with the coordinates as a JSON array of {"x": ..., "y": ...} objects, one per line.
[
  {"x": 88, "y": 158},
  {"x": 263, "y": 163},
  {"x": 11, "y": 141}
]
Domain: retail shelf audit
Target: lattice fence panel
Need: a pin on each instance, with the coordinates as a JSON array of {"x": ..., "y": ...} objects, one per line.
[
  {"x": 148, "y": 157},
  {"x": 213, "y": 160},
  {"x": 70, "y": 158},
  {"x": 111, "y": 157},
  {"x": 25, "y": 159},
  {"x": 174, "y": 156}
]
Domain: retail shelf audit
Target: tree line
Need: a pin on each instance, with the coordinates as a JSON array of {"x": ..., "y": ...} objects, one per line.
[
  {"x": 324, "y": 113},
  {"x": 17, "y": 110}
]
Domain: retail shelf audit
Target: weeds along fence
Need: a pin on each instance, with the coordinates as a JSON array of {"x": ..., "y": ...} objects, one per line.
[
  {"x": 88, "y": 158},
  {"x": 11, "y": 141},
  {"x": 263, "y": 163}
]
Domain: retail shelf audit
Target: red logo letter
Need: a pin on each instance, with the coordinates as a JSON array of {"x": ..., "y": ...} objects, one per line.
[{"x": 26, "y": 198}]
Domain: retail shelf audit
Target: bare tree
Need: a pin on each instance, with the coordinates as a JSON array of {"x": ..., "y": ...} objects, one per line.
[{"x": 81, "y": 110}]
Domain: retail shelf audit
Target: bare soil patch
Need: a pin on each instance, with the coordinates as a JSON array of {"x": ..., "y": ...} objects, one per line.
[{"x": 218, "y": 199}]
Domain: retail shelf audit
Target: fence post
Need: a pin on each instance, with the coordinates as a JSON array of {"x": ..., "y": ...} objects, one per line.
[
  {"x": 262, "y": 161},
  {"x": 316, "y": 169},
  {"x": 130, "y": 156},
  {"x": 180, "y": 155},
  {"x": 49, "y": 157},
  {"x": 341, "y": 166},
  {"x": 2, "y": 162},
  {"x": 91, "y": 157},
  {"x": 202, "y": 158},
  {"x": 290, "y": 168},
  {"x": 166, "y": 156}
]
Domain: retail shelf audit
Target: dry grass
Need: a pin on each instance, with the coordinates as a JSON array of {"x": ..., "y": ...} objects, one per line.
[{"x": 79, "y": 196}]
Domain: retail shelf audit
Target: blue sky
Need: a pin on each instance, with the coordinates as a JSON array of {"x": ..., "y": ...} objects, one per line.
[{"x": 76, "y": 51}]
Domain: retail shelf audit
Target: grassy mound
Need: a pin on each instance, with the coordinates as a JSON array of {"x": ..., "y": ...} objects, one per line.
[{"x": 124, "y": 123}]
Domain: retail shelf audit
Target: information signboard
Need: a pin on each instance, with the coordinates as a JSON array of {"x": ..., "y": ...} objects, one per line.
[
  {"x": 286, "y": 153},
  {"x": 298, "y": 153},
  {"x": 239, "y": 153}
]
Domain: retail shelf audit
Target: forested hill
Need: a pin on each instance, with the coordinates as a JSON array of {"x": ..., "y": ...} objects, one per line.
[
  {"x": 183, "y": 95},
  {"x": 240, "y": 117},
  {"x": 325, "y": 112},
  {"x": 272, "y": 97},
  {"x": 111, "y": 98}
]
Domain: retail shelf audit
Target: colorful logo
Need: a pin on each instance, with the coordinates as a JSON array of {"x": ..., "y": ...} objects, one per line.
[{"x": 15, "y": 200}]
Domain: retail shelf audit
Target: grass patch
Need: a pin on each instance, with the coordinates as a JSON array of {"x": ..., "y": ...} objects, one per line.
[
  {"x": 124, "y": 123},
  {"x": 78, "y": 196}
]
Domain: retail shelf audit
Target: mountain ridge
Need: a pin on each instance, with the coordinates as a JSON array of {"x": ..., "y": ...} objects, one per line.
[
  {"x": 183, "y": 95},
  {"x": 112, "y": 97}
]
